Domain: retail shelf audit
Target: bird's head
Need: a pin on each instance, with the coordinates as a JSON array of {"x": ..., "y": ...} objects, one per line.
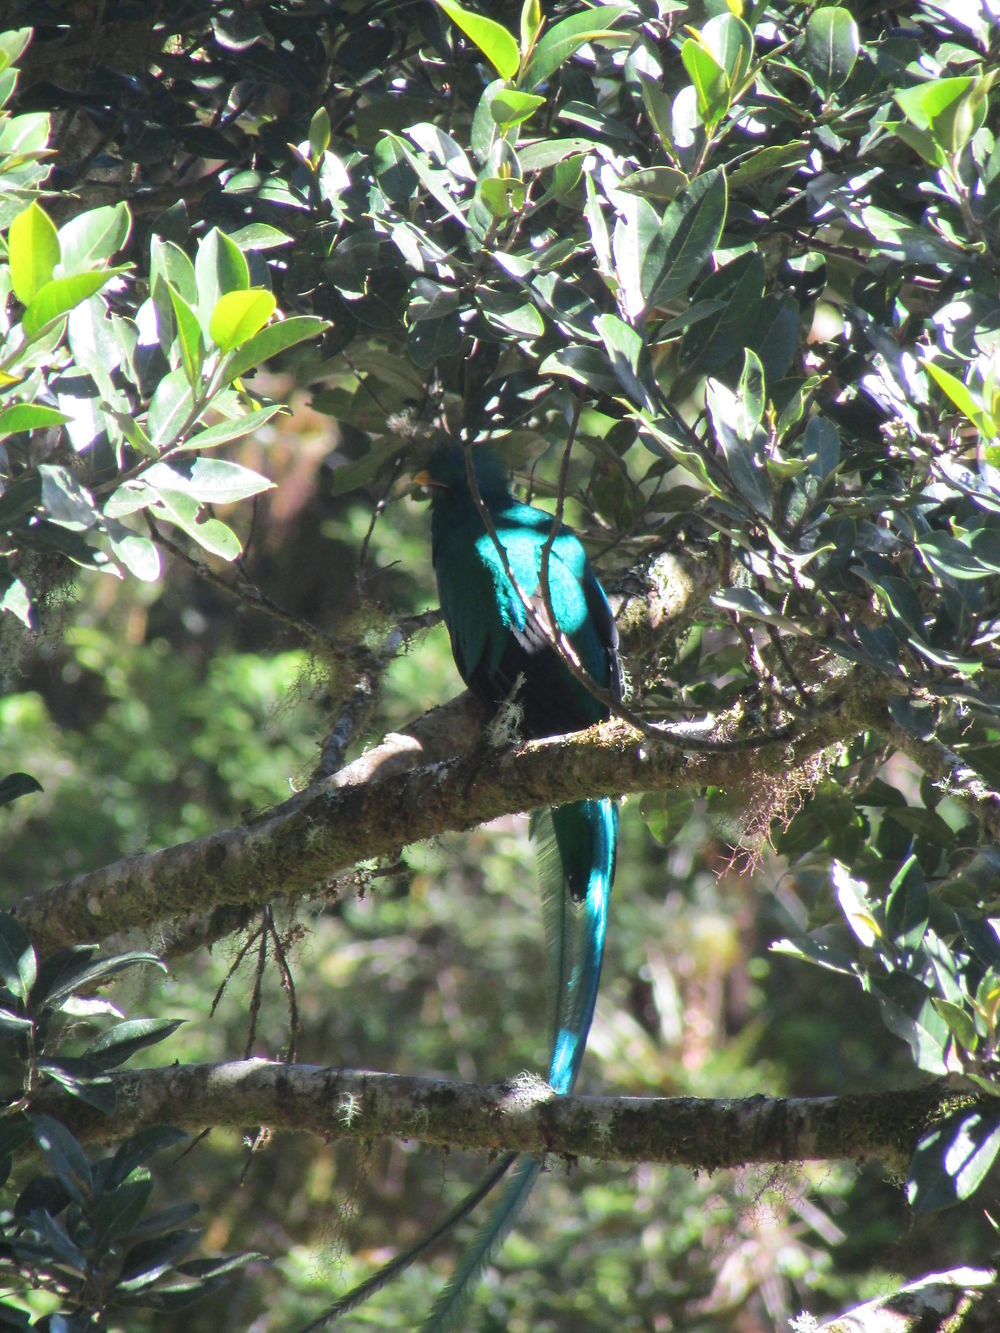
[{"x": 445, "y": 473}]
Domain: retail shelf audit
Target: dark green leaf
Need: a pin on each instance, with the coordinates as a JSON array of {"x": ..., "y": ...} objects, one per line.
[
  {"x": 150, "y": 1259},
  {"x": 952, "y": 1160},
  {"x": 83, "y": 974},
  {"x": 560, "y": 41},
  {"x": 831, "y": 47},
  {"x": 907, "y": 906},
  {"x": 137, "y": 1150},
  {"x": 908, "y": 1010},
  {"x": 121, "y": 1042},
  {"x": 65, "y": 501},
  {"x": 18, "y": 966},
  {"x": 64, "y": 1155},
  {"x": 119, "y": 1209},
  {"x": 690, "y": 232},
  {"x": 82, "y": 1080}
]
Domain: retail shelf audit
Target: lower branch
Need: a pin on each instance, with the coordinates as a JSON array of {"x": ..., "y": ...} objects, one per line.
[{"x": 523, "y": 1115}]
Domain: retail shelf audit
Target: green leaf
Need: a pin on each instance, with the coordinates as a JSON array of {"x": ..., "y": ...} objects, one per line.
[
  {"x": 238, "y": 316},
  {"x": 503, "y": 196},
  {"x": 549, "y": 152},
  {"x": 730, "y": 41},
  {"x": 712, "y": 342},
  {"x": 18, "y": 965},
  {"x": 531, "y": 24},
  {"x": 852, "y": 894},
  {"x": 169, "y": 263},
  {"x": 211, "y": 534},
  {"x": 210, "y": 481},
  {"x": 749, "y": 396},
  {"x": 660, "y": 183},
  {"x": 33, "y": 252},
  {"x": 563, "y": 39},
  {"x": 64, "y": 1156},
  {"x": 118, "y": 1210},
  {"x": 495, "y": 42},
  {"x": 87, "y": 972},
  {"x": 585, "y": 365},
  {"x": 767, "y": 162},
  {"x": 319, "y": 134},
  {"x": 628, "y": 357},
  {"x": 948, "y": 110},
  {"x": 171, "y": 409},
  {"x": 16, "y": 602},
  {"x": 13, "y": 45},
  {"x": 971, "y": 407},
  {"x": 692, "y": 226},
  {"x": 120, "y": 1043},
  {"x": 665, "y": 814},
  {"x": 960, "y": 1022},
  {"x": 431, "y": 180},
  {"x": 93, "y": 237},
  {"x": 270, "y": 341},
  {"x": 15, "y": 785},
  {"x": 746, "y": 602},
  {"x": 140, "y": 1148},
  {"x": 138, "y": 554},
  {"x": 510, "y": 107},
  {"x": 815, "y": 951},
  {"x": 65, "y": 501},
  {"x": 907, "y": 1009},
  {"x": 79, "y": 1079},
  {"x": 745, "y": 456},
  {"x": 219, "y": 267},
  {"x": 831, "y": 49},
  {"x": 509, "y": 312},
  {"x": 150, "y": 1259},
  {"x": 29, "y": 416},
  {"x": 635, "y": 230},
  {"x": 953, "y": 1159},
  {"x": 907, "y": 905},
  {"x": 709, "y": 79},
  {"x": 233, "y": 429},
  {"x": 189, "y": 336},
  {"x": 821, "y": 446},
  {"x": 57, "y": 297}
]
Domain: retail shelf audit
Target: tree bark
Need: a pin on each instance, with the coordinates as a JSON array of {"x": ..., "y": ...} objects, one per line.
[
  {"x": 440, "y": 775},
  {"x": 522, "y": 1115}
]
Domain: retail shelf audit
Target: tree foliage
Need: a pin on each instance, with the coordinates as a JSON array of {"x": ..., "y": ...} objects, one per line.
[{"x": 719, "y": 283}]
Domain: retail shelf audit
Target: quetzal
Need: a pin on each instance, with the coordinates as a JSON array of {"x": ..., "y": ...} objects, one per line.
[{"x": 505, "y": 657}]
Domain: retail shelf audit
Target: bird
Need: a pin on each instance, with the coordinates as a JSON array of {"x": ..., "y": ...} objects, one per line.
[{"x": 512, "y": 598}]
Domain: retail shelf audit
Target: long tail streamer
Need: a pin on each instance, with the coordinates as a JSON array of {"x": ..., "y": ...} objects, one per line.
[{"x": 577, "y": 846}]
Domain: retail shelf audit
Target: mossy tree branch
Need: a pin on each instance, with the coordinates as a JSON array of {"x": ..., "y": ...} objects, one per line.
[
  {"x": 523, "y": 1115},
  {"x": 438, "y": 776}
]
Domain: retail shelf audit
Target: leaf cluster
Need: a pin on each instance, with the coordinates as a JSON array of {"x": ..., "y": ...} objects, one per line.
[{"x": 80, "y": 1229}]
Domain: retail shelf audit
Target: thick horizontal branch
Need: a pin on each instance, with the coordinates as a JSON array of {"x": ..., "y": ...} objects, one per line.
[
  {"x": 522, "y": 1116},
  {"x": 438, "y": 776}
]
